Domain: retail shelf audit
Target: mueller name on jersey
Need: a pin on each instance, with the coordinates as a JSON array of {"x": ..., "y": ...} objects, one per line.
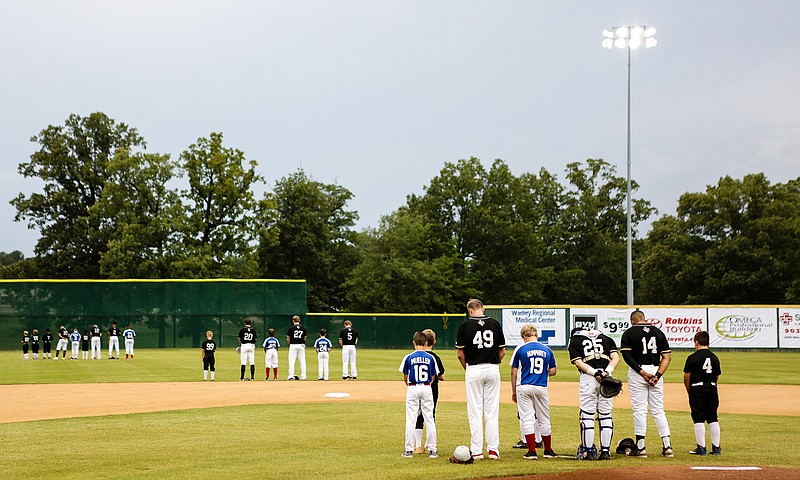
[{"x": 426, "y": 360}]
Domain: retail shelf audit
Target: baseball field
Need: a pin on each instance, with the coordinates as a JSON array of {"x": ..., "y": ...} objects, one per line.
[{"x": 154, "y": 417}]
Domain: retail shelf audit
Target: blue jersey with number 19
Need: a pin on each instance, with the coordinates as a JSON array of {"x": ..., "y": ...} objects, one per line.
[
  {"x": 420, "y": 366},
  {"x": 533, "y": 361}
]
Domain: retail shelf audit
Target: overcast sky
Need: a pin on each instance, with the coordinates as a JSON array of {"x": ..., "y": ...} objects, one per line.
[{"x": 377, "y": 95}]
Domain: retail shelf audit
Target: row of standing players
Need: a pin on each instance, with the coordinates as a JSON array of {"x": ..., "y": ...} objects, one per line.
[
  {"x": 480, "y": 345},
  {"x": 79, "y": 342},
  {"x": 296, "y": 337}
]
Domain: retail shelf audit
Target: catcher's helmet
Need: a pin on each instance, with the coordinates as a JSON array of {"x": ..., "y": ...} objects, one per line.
[
  {"x": 610, "y": 387},
  {"x": 627, "y": 447}
]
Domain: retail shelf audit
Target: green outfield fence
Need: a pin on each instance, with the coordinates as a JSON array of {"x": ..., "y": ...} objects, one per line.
[{"x": 164, "y": 313}]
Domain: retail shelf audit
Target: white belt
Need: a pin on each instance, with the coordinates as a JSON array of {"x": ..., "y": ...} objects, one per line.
[{"x": 700, "y": 384}]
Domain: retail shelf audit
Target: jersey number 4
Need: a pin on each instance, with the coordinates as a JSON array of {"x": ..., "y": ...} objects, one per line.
[
  {"x": 707, "y": 366},
  {"x": 483, "y": 339}
]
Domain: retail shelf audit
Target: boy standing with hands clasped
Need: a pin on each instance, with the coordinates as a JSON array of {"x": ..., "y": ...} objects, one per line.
[
  {"x": 323, "y": 347},
  {"x": 419, "y": 369},
  {"x": 700, "y": 375}
]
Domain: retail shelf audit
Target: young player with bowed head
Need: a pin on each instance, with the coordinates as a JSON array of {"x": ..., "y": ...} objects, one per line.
[
  {"x": 595, "y": 355},
  {"x": 480, "y": 346},
  {"x": 113, "y": 341},
  {"x": 47, "y": 344},
  {"x": 296, "y": 338},
  {"x": 208, "y": 347},
  {"x": 85, "y": 345},
  {"x": 247, "y": 349},
  {"x": 26, "y": 343},
  {"x": 323, "y": 347},
  {"x": 645, "y": 349},
  {"x": 431, "y": 335},
  {"x": 130, "y": 336},
  {"x": 532, "y": 365},
  {"x": 348, "y": 338},
  {"x": 35, "y": 344},
  {"x": 700, "y": 374},
  {"x": 96, "y": 334},
  {"x": 419, "y": 368},
  {"x": 75, "y": 338},
  {"x": 63, "y": 339},
  {"x": 271, "y": 346}
]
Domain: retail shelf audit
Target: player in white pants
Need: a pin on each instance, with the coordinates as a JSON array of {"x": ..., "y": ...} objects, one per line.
[
  {"x": 296, "y": 338},
  {"x": 348, "y": 339},
  {"x": 419, "y": 368},
  {"x": 323, "y": 347},
  {"x": 129, "y": 335},
  {"x": 480, "y": 347},
  {"x": 75, "y": 337},
  {"x": 63, "y": 341},
  {"x": 113, "y": 340},
  {"x": 96, "y": 335}
]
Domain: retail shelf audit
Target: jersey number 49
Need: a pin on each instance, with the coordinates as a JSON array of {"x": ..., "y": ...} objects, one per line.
[{"x": 483, "y": 339}]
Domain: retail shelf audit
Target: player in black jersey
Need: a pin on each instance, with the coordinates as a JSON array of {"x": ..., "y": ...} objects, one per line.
[
  {"x": 247, "y": 349},
  {"x": 296, "y": 338},
  {"x": 26, "y": 343},
  {"x": 85, "y": 344},
  {"x": 208, "y": 347},
  {"x": 35, "y": 344},
  {"x": 595, "y": 355},
  {"x": 481, "y": 346},
  {"x": 47, "y": 344},
  {"x": 97, "y": 334},
  {"x": 700, "y": 375},
  {"x": 348, "y": 339},
  {"x": 646, "y": 351}
]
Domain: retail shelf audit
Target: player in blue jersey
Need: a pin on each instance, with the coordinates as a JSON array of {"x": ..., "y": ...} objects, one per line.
[
  {"x": 532, "y": 364},
  {"x": 75, "y": 338},
  {"x": 323, "y": 347},
  {"x": 271, "y": 346},
  {"x": 129, "y": 335},
  {"x": 419, "y": 369}
]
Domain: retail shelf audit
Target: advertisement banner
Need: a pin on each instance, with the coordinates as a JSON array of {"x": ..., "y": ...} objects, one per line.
[
  {"x": 679, "y": 324},
  {"x": 789, "y": 327},
  {"x": 743, "y": 327},
  {"x": 611, "y": 321},
  {"x": 549, "y": 322}
]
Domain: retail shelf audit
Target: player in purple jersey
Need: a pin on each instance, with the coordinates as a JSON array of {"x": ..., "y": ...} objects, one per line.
[{"x": 532, "y": 364}]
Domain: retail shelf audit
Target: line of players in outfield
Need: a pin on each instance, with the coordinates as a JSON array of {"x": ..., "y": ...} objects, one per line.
[
  {"x": 296, "y": 337},
  {"x": 78, "y": 343}
]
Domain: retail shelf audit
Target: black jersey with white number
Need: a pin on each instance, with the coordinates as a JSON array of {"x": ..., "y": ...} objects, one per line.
[
  {"x": 702, "y": 366},
  {"x": 209, "y": 347},
  {"x": 95, "y": 331},
  {"x": 481, "y": 338},
  {"x": 63, "y": 333},
  {"x": 247, "y": 335},
  {"x": 592, "y": 347},
  {"x": 349, "y": 336},
  {"x": 47, "y": 339},
  {"x": 35, "y": 339},
  {"x": 645, "y": 343},
  {"x": 113, "y": 331},
  {"x": 297, "y": 335},
  {"x": 26, "y": 340}
]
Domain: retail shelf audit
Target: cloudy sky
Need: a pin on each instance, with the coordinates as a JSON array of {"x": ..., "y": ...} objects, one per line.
[{"x": 377, "y": 95}]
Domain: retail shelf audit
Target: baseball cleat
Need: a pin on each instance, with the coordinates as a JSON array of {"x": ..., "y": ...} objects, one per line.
[
  {"x": 407, "y": 454},
  {"x": 715, "y": 450},
  {"x": 642, "y": 453},
  {"x": 477, "y": 456},
  {"x": 604, "y": 455},
  {"x": 433, "y": 454},
  {"x": 345, "y": 378},
  {"x": 667, "y": 452},
  {"x": 550, "y": 454},
  {"x": 494, "y": 455},
  {"x": 699, "y": 451},
  {"x": 530, "y": 456},
  {"x": 353, "y": 378},
  {"x": 520, "y": 444}
]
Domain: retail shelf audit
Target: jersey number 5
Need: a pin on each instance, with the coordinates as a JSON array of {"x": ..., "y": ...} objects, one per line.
[{"x": 483, "y": 339}]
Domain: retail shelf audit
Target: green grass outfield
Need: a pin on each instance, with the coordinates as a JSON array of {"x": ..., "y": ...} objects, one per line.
[
  {"x": 344, "y": 440},
  {"x": 185, "y": 365}
]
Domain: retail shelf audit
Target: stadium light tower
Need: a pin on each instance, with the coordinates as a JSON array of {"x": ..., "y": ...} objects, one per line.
[{"x": 630, "y": 37}]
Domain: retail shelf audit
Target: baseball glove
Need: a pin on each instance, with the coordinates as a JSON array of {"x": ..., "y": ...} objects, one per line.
[
  {"x": 238, "y": 349},
  {"x": 453, "y": 459},
  {"x": 610, "y": 387}
]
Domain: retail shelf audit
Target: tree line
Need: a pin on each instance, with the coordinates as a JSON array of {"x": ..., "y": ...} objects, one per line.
[{"x": 108, "y": 208}]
